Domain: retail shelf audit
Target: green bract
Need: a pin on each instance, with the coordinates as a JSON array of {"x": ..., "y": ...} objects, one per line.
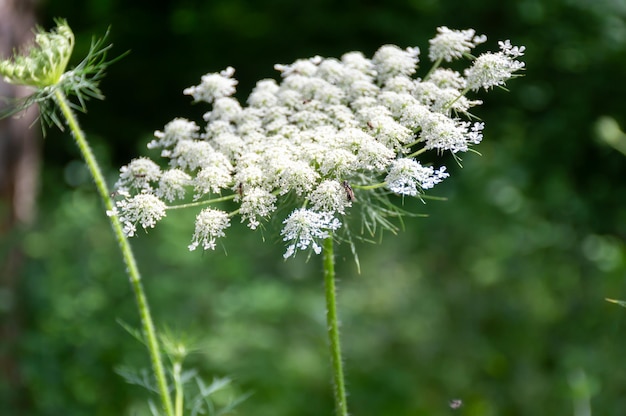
[{"x": 46, "y": 60}]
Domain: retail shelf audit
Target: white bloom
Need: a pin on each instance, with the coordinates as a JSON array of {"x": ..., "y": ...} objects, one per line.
[
  {"x": 443, "y": 133},
  {"x": 447, "y": 78},
  {"x": 362, "y": 104},
  {"x": 289, "y": 98},
  {"x": 371, "y": 155},
  {"x": 414, "y": 116},
  {"x": 307, "y": 119},
  {"x": 475, "y": 135},
  {"x": 389, "y": 132},
  {"x": 443, "y": 100},
  {"x": 175, "y": 130},
  {"x": 390, "y": 60},
  {"x": 193, "y": 154},
  {"x": 371, "y": 109},
  {"x": 264, "y": 94},
  {"x": 213, "y": 86},
  {"x": 229, "y": 144},
  {"x": 327, "y": 120},
  {"x": 304, "y": 228},
  {"x": 276, "y": 120},
  {"x": 401, "y": 84},
  {"x": 225, "y": 109},
  {"x": 250, "y": 176},
  {"x": 357, "y": 61},
  {"x": 332, "y": 71},
  {"x": 305, "y": 67},
  {"x": 510, "y": 50},
  {"x": 336, "y": 162},
  {"x": 396, "y": 102},
  {"x": 250, "y": 121},
  {"x": 268, "y": 85},
  {"x": 144, "y": 208},
  {"x": 341, "y": 116},
  {"x": 138, "y": 174},
  {"x": 453, "y": 44},
  {"x": 172, "y": 184},
  {"x": 214, "y": 175},
  {"x": 210, "y": 224},
  {"x": 297, "y": 175},
  {"x": 256, "y": 203},
  {"x": 409, "y": 177},
  {"x": 493, "y": 69},
  {"x": 323, "y": 91},
  {"x": 217, "y": 127},
  {"x": 330, "y": 196},
  {"x": 360, "y": 89}
]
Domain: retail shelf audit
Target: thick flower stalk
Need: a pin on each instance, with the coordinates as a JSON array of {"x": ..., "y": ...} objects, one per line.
[{"x": 333, "y": 136}]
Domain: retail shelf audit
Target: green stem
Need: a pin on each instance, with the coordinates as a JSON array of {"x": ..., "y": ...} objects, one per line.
[
  {"x": 417, "y": 153},
  {"x": 178, "y": 387},
  {"x": 368, "y": 187},
  {"x": 432, "y": 68},
  {"x": 202, "y": 203},
  {"x": 127, "y": 254},
  {"x": 341, "y": 404}
]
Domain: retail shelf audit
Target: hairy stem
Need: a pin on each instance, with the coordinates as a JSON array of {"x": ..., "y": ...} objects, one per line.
[
  {"x": 341, "y": 404},
  {"x": 127, "y": 254}
]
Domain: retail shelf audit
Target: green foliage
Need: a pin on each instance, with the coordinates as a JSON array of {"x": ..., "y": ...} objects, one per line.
[{"x": 497, "y": 298}]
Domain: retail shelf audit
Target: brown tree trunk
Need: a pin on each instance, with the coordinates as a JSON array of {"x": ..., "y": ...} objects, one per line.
[{"x": 19, "y": 171}]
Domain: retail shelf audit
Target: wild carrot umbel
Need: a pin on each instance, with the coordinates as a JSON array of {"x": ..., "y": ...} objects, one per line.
[{"x": 333, "y": 138}]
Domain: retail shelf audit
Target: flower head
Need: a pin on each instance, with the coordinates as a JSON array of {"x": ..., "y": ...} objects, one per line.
[
  {"x": 176, "y": 130},
  {"x": 409, "y": 177},
  {"x": 328, "y": 136},
  {"x": 173, "y": 184},
  {"x": 493, "y": 69},
  {"x": 43, "y": 66},
  {"x": 304, "y": 228},
  {"x": 214, "y": 86},
  {"x": 138, "y": 174},
  {"x": 210, "y": 224},
  {"x": 330, "y": 196},
  {"x": 144, "y": 208},
  {"x": 390, "y": 61},
  {"x": 45, "y": 62},
  {"x": 443, "y": 133},
  {"x": 453, "y": 44},
  {"x": 256, "y": 203}
]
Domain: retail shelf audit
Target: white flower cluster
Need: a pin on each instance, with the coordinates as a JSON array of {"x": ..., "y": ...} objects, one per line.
[{"x": 334, "y": 133}]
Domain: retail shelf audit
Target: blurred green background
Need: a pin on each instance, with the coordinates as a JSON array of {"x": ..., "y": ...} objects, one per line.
[{"x": 497, "y": 298}]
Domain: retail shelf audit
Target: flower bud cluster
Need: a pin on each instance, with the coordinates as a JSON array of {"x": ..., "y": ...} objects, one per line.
[
  {"x": 333, "y": 134},
  {"x": 45, "y": 62}
]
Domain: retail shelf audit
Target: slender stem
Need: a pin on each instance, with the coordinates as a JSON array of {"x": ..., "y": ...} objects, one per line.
[
  {"x": 178, "y": 387},
  {"x": 417, "y": 153},
  {"x": 341, "y": 404},
  {"x": 127, "y": 254},
  {"x": 368, "y": 187},
  {"x": 432, "y": 69},
  {"x": 202, "y": 203}
]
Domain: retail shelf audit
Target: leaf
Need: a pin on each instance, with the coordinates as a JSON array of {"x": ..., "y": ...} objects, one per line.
[
  {"x": 135, "y": 333},
  {"x": 619, "y": 302}
]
